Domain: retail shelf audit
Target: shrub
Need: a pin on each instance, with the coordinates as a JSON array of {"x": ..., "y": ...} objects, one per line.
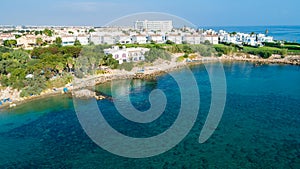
[
  {"x": 185, "y": 55},
  {"x": 180, "y": 59},
  {"x": 126, "y": 66},
  {"x": 264, "y": 54},
  {"x": 227, "y": 50},
  {"x": 156, "y": 53},
  {"x": 203, "y": 50}
]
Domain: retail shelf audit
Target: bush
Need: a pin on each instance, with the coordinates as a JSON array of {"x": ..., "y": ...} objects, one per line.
[
  {"x": 283, "y": 52},
  {"x": 169, "y": 42},
  {"x": 203, "y": 50},
  {"x": 126, "y": 66},
  {"x": 156, "y": 53},
  {"x": 227, "y": 50},
  {"x": 185, "y": 55},
  {"x": 265, "y": 54},
  {"x": 180, "y": 59}
]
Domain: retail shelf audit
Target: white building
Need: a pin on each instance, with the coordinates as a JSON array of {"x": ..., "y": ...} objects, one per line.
[
  {"x": 96, "y": 39},
  {"x": 107, "y": 39},
  {"x": 123, "y": 39},
  {"x": 192, "y": 39},
  {"x": 156, "y": 38},
  {"x": 163, "y": 26},
  {"x": 177, "y": 39},
  {"x": 68, "y": 40},
  {"x": 84, "y": 40},
  {"x": 213, "y": 39},
  {"x": 140, "y": 39},
  {"x": 127, "y": 54}
]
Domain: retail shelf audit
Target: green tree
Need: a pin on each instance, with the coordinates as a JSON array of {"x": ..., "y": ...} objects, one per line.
[
  {"x": 77, "y": 43},
  {"x": 48, "y": 32},
  {"x": 92, "y": 30},
  {"x": 17, "y": 36},
  {"x": 10, "y": 43},
  {"x": 39, "y": 41},
  {"x": 59, "y": 67},
  {"x": 58, "y": 41},
  {"x": 169, "y": 42}
]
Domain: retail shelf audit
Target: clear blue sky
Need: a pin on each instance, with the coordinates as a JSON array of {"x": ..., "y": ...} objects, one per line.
[{"x": 199, "y": 12}]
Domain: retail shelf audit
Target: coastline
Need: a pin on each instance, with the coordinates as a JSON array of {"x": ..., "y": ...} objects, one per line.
[{"x": 149, "y": 73}]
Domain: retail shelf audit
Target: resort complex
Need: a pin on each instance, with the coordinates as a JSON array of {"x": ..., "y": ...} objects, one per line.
[{"x": 142, "y": 32}]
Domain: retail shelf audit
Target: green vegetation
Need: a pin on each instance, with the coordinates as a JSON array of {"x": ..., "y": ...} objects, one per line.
[
  {"x": 58, "y": 41},
  {"x": 91, "y": 57},
  {"x": 47, "y": 67},
  {"x": 224, "y": 49},
  {"x": 77, "y": 43},
  {"x": 203, "y": 50},
  {"x": 180, "y": 59},
  {"x": 265, "y": 51},
  {"x": 39, "y": 41},
  {"x": 10, "y": 43},
  {"x": 92, "y": 30},
  {"x": 48, "y": 32},
  {"x": 155, "y": 53},
  {"x": 128, "y": 66}
]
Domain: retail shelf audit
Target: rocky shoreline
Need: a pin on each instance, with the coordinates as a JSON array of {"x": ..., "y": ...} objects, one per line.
[{"x": 150, "y": 73}]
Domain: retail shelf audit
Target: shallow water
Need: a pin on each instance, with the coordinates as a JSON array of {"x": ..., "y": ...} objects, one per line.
[{"x": 260, "y": 127}]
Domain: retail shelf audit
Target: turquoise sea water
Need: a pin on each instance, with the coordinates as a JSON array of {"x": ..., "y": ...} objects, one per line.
[{"x": 260, "y": 127}]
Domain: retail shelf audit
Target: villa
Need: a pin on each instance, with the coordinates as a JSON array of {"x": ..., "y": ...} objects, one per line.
[{"x": 127, "y": 54}]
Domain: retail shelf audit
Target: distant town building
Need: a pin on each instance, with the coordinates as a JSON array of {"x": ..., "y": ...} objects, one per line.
[
  {"x": 96, "y": 39},
  {"x": 107, "y": 39},
  {"x": 123, "y": 39},
  {"x": 68, "y": 40},
  {"x": 84, "y": 40},
  {"x": 212, "y": 39},
  {"x": 140, "y": 39},
  {"x": 163, "y": 26},
  {"x": 177, "y": 39},
  {"x": 156, "y": 38},
  {"x": 192, "y": 39}
]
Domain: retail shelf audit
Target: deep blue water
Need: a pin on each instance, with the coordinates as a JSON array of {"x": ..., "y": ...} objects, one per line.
[
  {"x": 287, "y": 33},
  {"x": 260, "y": 127}
]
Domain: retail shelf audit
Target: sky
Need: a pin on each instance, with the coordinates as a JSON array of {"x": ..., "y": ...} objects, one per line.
[{"x": 198, "y": 12}]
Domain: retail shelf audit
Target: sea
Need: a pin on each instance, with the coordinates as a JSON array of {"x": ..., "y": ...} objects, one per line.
[
  {"x": 259, "y": 127},
  {"x": 285, "y": 33}
]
